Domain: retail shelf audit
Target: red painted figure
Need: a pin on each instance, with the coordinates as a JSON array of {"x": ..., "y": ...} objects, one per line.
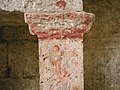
[
  {"x": 61, "y": 4},
  {"x": 56, "y": 60}
]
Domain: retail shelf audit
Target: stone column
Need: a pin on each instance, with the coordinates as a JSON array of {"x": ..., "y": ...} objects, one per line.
[
  {"x": 60, "y": 37},
  {"x": 60, "y": 26}
]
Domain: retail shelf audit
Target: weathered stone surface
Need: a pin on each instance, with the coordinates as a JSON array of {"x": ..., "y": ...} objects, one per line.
[
  {"x": 25, "y": 84},
  {"x": 3, "y": 58},
  {"x": 18, "y": 32},
  {"x": 5, "y": 84},
  {"x": 11, "y": 5},
  {"x": 11, "y": 18},
  {"x": 101, "y": 51},
  {"x": 61, "y": 64},
  {"x": 19, "y": 84},
  {"x": 16, "y": 47},
  {"x": 41, "y": 5},
  {"x": 101, "y": 69},
  {"x": 104, "y": 43},
  {"x": 22, "y": 62},
  {"x": 107, "y": 20},
  {"x": 112, "y": 79}
]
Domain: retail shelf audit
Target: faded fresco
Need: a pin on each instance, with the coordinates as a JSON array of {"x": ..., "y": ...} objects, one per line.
[
  {"x": 60, "y": 47},
  {"x": 61, "y": 64}
]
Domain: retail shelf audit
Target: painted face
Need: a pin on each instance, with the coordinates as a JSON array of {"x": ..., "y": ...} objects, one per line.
[{"x": 56, "y": 48}]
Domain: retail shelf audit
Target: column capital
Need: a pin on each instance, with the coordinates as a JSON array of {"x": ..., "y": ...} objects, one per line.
[{"x": 59, "y": 25}]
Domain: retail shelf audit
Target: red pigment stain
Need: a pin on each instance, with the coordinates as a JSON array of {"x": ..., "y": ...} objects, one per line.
[
  {"x": 46, "y": 16},
  {"x": 51, "y": 17},
  {"x": 60, "y": 71},
  {"x": 87, "y": 20},
  {"x": 43, "y": 35},
  {"x": 61, "y": 4},
  {"x": 54, "y": 33},
  {"x": 35, "y": 28},
  {"x": 72, "y": 16},
  {"x": 62, "y": 33},
  {"x": 59, "y": 33}
]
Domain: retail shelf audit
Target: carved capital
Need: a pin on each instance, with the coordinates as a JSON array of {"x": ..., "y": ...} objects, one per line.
[{"x": 59, "y": 25}]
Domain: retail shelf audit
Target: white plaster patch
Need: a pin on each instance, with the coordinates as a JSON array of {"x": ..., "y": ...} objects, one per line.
[{"x": 41, "y": 5}]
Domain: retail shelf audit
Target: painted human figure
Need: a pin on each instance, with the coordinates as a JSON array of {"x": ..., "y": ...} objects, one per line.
[{"x": 56, "y": 61}]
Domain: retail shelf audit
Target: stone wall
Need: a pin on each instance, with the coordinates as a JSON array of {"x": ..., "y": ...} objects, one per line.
[
  {"x": 102, "y": 46},
  {"x": 18, "y": 59}
]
